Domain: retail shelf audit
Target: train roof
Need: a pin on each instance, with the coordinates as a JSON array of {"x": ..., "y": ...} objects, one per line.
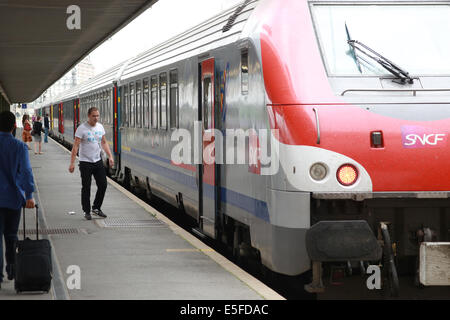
[{"x": 220, "y": 30}]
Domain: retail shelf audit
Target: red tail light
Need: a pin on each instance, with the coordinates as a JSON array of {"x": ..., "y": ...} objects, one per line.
[{"x": 347, "y": 174}]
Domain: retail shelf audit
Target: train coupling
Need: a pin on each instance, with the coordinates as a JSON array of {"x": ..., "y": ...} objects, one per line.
[{"x": 337, "y": 241}]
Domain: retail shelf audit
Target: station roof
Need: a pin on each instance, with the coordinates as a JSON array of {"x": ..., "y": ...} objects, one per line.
[{"x": 37, "y": 47}]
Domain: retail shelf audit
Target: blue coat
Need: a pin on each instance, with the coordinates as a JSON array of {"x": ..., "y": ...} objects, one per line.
[{"x": 16, "y": 177}]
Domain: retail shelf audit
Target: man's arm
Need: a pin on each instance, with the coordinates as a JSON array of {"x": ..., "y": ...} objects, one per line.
[
  {"x": 76, "y": 146},
  {"x": 105, "y": 147}
]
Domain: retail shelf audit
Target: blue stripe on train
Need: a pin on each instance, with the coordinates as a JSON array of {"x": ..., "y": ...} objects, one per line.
[{"x": 256, "y": 207}]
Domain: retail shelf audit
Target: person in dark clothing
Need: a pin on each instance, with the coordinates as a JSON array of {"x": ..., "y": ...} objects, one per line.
[
  {"x": 37, "y": 129},
  {"x": 46, "y": 128},
  {"x": 17, "y": 185}
]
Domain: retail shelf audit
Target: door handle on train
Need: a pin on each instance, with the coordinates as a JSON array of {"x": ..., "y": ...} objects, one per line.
[{"x": 316, "y": 112}]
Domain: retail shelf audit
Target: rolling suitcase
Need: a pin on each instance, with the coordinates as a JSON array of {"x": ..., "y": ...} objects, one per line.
[{"x": 33, "y": 265}]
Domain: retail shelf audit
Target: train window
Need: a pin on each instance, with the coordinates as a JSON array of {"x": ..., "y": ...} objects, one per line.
[
  {"x": 100, "y": 106},
  {"x": 145, "y": 104},
  {"x": 244, "y": 71},
  {"x": 126, "y": 107},
  {"x": 105, "y": 97},
  {"x": 111, "y": 106},
  {"x": 163, "y": 100},
  {"x": 132, "y": 106},
  {"x": 138, "y": 105},
  {"x": 120, "y": 105},
  {"x": 174, "y": 99},
  {"x": 335, "y": 23},
  {"x": 154, "y": 101},
  {"x": 207, "y": 92},
  {"x": 97, "y": 103},
  {"x": 102, "y": 102},
  {"x": 107, "y": 110},
  {"x": 86, "y": 109}
]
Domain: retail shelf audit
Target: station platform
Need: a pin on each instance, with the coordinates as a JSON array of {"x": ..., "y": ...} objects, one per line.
[{"x": 135, "y": 253}]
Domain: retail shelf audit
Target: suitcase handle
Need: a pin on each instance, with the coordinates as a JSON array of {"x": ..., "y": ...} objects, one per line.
[{"x": 37, "y": 223}]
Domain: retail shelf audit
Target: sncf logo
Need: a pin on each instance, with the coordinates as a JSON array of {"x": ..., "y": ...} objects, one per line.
[
  {"x": 420, "y": 137},
  {"x": 430, "y": 139}
]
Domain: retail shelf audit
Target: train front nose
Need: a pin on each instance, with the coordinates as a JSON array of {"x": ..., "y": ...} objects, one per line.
[{"x": 399, "y": 154}]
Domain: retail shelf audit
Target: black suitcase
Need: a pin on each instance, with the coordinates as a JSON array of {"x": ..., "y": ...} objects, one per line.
[{"x": 33, "y": 265}]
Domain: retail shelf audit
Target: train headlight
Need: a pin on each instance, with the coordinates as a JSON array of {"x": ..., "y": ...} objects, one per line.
[
  {"x": 347, "y": 174},
  {"x": 318, "y": 171}
]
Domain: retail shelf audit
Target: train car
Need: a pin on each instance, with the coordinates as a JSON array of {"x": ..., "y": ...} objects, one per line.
[{"x": 345, "y": 151}]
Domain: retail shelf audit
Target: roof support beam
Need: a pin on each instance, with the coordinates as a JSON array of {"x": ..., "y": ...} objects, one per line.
[{"x": 3, "y": 93}]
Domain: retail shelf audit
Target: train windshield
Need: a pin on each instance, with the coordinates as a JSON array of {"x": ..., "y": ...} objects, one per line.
[{"x": 413, "y": 36}]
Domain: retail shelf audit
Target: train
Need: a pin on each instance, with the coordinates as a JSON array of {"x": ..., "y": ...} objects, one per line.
[{"x": 345, "y": 152}]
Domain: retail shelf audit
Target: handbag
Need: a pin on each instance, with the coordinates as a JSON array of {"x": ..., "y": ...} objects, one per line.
[{"x": 33, "y": 132}]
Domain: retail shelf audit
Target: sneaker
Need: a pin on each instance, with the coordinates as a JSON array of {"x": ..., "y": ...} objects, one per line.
[
  {"x": 99, "y": 213},
  {"x": 87, "y": 215}
]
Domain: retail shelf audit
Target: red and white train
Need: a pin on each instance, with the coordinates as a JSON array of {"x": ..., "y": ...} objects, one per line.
[{"x": 360, "y": 145}]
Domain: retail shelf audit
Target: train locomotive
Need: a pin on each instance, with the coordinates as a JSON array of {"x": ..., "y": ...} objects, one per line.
[{"x": 358, "y": 146}]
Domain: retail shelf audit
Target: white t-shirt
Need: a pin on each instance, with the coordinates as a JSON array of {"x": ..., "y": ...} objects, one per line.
[{"x": 91, "y": 137}]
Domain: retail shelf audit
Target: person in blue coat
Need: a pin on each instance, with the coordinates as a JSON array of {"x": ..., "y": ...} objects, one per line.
[{"x": 16, "y": 189}]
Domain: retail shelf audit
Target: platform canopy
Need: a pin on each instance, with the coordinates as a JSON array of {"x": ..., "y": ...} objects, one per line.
[{"x": 40, "y": 40}]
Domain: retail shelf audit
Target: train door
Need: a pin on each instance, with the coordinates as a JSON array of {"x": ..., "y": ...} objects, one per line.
[
  {"x": 208, "y": 177},
  {"x": 76, "y": 115},
  {"x": 51, "y": 117},
  {"x": 61, "y": 118}
]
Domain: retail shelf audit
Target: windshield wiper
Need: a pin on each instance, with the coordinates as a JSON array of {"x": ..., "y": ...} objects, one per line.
[
  {"x": 352, "y": 50},
  {"x": 402, "y": 75}
]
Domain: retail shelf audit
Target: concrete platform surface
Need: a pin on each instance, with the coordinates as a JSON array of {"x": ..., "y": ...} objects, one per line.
[{"x": 135, "y": 253}]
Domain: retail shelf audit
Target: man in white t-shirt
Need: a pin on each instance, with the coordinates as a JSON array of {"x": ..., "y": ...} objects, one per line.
[{"x": 90, "y": 139}]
